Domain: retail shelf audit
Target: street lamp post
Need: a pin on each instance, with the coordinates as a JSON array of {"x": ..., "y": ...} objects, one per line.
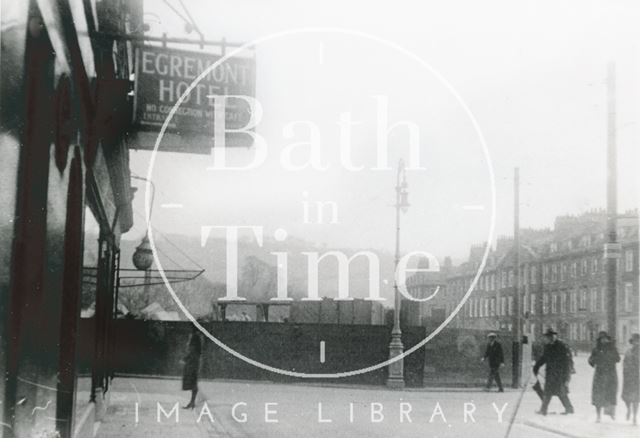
[{"x": 396, "y": 369}]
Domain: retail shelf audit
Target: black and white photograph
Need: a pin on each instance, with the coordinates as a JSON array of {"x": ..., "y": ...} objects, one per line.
[{"x": 304, "y": 218}]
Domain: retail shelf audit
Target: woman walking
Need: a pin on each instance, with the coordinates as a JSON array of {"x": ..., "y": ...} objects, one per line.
[
  {"x": 192, "y": 366},
  {"x": 605, "y": 377},
  {"x": 631, "y": 378}
]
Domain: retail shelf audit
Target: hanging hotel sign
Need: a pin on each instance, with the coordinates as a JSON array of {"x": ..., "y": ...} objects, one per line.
[{"x": 162, "y": 75}]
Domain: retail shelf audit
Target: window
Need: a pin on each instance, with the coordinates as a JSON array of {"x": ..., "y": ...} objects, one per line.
[
  {"x": 594, "y": 265},
  {"x": 553, "y": 247},
  {"x": 574, "y": 269},
  {"x": 503, "y": 306},
  {"x": 486, "y": 307},
  {"x": 510, "y": 305},
  {"x": 481, "y": 310},
  {"x": 628, "y": 293},
  {"x": 545, "y": 303},
  {"x": 603, "y": 299},
  {"x": 628, "y": 261},
  {"x": 493, "y": 306},
  {"x": 545, "y": 274},
  {"x": 533, "y": 304},
  {"x": 593, "y": 305},
  {"x": 554, "y": 303},
  {"x": 533, "y": 274},
  {"x": 554, "y": 273},
  {"x": 510, "y": 277},
  {"x": 90, "y": 268},
  {"x": 583, "y": 300},
  {"x": 584, "y": 269},
  {"x": 574, "y": 302},
  {"x": 504, "y": 279},
  {"x": 563, "y": 303}
]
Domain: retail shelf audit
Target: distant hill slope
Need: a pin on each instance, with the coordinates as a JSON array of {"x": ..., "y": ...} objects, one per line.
[{"x": 257, "y": 273}]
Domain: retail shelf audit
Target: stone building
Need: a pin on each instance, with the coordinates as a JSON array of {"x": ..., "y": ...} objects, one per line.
[{"x": 561, "y": 282}]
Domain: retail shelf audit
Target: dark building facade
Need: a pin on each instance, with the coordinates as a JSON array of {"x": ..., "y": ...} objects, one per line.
[
  {"x": 63, "y": 100},
  {"x": 562, "y": 282}
]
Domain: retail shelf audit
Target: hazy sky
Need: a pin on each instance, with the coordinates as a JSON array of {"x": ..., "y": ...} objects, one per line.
[{"x": 532, "y": 73}]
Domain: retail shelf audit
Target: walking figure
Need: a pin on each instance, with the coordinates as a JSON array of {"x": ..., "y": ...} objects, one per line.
[
  {"x": 631, "y": 378},
  {"x": 192, "y": 366},
  {"x": 495, "y": 356},
  {"x": 557, "y": 358},
  {"x": 604, "y": 390}
]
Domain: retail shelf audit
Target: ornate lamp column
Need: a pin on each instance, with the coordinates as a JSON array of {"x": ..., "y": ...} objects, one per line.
[{"x": 396, "y": 369}]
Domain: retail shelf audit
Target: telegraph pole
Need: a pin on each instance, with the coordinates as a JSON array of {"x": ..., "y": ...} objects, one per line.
[
  {"x": 517, "y": 315},
  {"x": 612, "y": 247}
]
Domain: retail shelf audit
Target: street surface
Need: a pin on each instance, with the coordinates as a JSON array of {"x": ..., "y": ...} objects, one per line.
[
  {"x": 297, "y": 411},
  {"x": 268, "y": 410}
]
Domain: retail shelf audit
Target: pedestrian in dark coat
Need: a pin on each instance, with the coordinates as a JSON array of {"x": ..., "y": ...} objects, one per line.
[
  {"x": 192, "y": 366},
  {"x": 494, "y": 355},
  {"x": 558, "y": 360},
  {"x": 604, "y": 390},
  {"x": 631, "y": 378}
]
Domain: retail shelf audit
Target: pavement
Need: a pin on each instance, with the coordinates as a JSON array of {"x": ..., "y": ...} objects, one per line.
[
  {"x": 582, "y": 424},
  {"x": 144, "y": 408}
]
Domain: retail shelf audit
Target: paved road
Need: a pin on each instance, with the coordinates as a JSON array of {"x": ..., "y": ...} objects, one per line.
[
  {"x": 274, "y": 410},
  {"x": 353, "y": 412},
  {"x": 268, "y": 410}
]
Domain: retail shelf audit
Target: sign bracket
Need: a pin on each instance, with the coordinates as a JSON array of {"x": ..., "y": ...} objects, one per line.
[{"x": 164, "y": 39}]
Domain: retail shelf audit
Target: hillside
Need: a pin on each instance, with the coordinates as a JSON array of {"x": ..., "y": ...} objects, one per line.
[{"x": 257, "y": 274}]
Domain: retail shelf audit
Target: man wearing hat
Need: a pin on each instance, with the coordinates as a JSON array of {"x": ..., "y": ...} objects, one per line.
[
  {"x": 558, "y": 359},
  {"x": 494, "y": 354}
]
